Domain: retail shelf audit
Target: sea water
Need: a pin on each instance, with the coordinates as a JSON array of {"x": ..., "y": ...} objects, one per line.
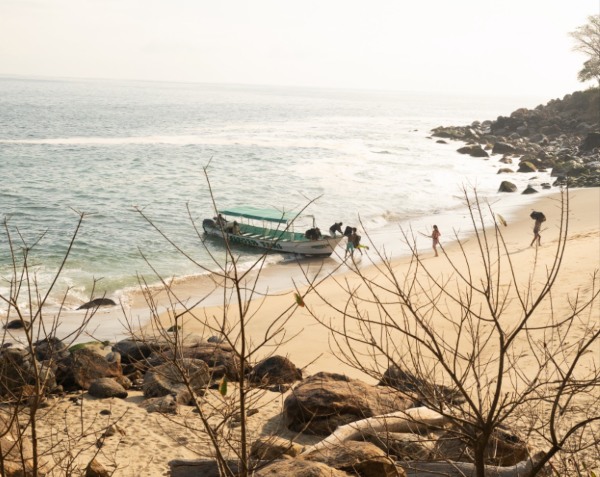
[{"x": 142, "y": 161}]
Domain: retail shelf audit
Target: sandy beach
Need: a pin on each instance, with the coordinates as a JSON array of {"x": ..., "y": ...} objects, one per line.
[{"x": 149, "y": 441}]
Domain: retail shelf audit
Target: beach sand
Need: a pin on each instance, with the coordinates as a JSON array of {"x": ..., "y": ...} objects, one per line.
[{"x": 151, "y": 440}]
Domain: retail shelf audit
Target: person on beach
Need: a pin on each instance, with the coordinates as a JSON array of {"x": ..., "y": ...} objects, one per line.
[
  {"x": 539, "y": 218},
  {"x": 435, "y": 235},
  {"x": 220, "y": 220},
  {"x": 349, "y": 245},
  {"x": 356, "y": 240},
  {"x": 337, "y": 227}
]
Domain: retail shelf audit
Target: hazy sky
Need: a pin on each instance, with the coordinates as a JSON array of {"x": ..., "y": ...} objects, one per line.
[{"x": 507, "y": 47}]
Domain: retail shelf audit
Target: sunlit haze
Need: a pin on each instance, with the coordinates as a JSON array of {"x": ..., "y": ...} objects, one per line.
[{"x": 512, "y": 47}]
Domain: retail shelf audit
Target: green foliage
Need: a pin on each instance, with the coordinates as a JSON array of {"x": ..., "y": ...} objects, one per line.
[{"x": 587, "y": 41}]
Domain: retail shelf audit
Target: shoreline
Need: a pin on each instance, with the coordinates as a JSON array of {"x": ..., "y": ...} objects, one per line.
[
  {"x": 310, "y": 350},
  {"x": 281, "y": 277}
]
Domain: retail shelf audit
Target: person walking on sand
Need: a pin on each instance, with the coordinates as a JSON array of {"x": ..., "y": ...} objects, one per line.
[
  {"x": 539, "y": 218},
  {"x": 435, "y": 235}
]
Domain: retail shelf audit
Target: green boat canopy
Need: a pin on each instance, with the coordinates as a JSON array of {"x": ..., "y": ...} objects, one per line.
[{"x": 257, "y": 213}]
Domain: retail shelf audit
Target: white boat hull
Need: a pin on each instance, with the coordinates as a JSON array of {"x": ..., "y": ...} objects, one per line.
[{"x": 322, "y": 247}]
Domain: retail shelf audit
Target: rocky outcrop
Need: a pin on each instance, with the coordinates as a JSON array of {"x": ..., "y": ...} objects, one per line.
[
  {"x": 563, "y": 135},
  {"x": 84, "y": 366},
  {"x": 325, "y": 401},
  {"x": 168, "y": 379}
]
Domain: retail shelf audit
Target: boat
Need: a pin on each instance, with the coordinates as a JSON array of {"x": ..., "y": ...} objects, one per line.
[{"x": 269, "y": 229}]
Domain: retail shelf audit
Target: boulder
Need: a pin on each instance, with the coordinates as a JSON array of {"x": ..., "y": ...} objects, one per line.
[
  {"x": 357, "y": 458},
  {"x": 503, "y": 148},
  {"x": 50, "y": 349},
  {"x": 96, "y": 303},
  {"x": 168, "y": 378},
  {"x": 17, "y": 325},
  {"x": 299, "y": 468},
  {"x": 132, "y": 351},
  {"x": 505, "y": 170},
  {"x": 96, "y": 469},
  {"x": 106, "y": 388},
  {"x": 18, "y": 374},
  {"x": 474, "y": 150},
  {"x": 275, "y": 370},
  {"x": 321, "y": 403},
  {"x": 529, "y": 190},
  {"x": 273, "y": 447},
  {"x": 163, "y": 405},
  {"x": 526, "y": 166},
  {"x": 420, "y": 388},
  {"x": 506, "y": 160},
  {"x": 84, "y": 366},
  {"x": 506, "y": 186},
  {"x": 220, "y": 358}
]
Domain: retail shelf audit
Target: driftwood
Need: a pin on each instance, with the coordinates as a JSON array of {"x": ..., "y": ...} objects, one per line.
[
  {"x": 464, "y": 469},
  {"x": 416, "y": 419}
]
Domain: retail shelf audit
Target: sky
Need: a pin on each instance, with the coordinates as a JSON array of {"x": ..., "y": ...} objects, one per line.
[{"x": 488, "y": 47}]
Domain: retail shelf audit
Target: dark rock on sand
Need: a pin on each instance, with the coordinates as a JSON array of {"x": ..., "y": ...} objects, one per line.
[
  {"x": 275, "y": 370},
  {"x": 107, "y": 388}
]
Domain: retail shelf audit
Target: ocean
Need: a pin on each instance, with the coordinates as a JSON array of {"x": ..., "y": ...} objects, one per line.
[{"x": 110, "y": 149}]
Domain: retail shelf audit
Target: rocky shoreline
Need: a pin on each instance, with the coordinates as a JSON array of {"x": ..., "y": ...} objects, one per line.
[{"x": 563, "y": 135}]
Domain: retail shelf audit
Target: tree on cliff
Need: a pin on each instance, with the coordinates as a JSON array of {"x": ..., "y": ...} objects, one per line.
[{"x": 587, "y": 41}]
